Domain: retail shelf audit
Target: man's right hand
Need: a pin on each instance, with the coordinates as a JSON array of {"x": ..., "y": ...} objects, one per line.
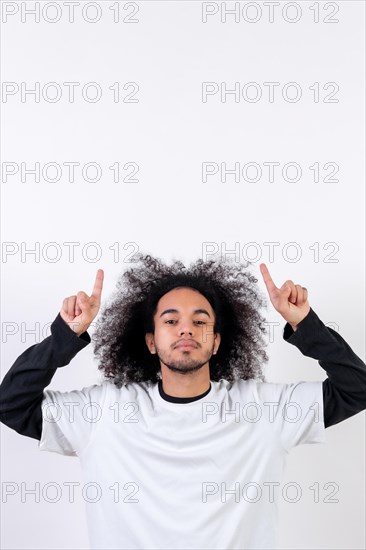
[{"x": 80, "y": 310}]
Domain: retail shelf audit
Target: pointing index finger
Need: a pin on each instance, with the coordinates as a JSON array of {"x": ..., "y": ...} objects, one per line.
[
  {"x": 98, "y": 285},
  {"x": 267, "y": 278}
]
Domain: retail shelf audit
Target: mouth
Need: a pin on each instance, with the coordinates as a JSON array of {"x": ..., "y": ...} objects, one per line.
[{"x": 186, "y": 345}]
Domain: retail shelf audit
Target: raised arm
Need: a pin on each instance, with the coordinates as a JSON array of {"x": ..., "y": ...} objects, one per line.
[
  {"x": 21, "y": 390},
  {"x": 344, "y": 391}
]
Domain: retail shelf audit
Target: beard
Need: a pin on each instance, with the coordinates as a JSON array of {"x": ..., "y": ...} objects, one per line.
[{"x": 186, "y": 364}]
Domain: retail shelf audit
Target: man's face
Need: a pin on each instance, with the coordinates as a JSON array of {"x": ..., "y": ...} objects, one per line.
[{"x": 183, "y": 339}]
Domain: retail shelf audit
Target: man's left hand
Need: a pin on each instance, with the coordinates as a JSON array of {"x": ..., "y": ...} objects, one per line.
[{"x": 291, "y": 300}]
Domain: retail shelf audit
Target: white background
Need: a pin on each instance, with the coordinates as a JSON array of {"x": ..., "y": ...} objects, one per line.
[{"x": 170, "y": 212}]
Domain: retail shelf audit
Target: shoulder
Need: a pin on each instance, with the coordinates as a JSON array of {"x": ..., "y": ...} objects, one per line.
[
  {"x": 131, "y": 390},
  {"x": 270, "y": 391}
]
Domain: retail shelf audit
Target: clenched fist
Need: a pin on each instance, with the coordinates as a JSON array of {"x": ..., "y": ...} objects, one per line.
[{"x": 80, "y": 310}]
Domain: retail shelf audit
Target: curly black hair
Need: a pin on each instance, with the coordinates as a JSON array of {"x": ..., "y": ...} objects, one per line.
[{"x": 119, "y": 342}]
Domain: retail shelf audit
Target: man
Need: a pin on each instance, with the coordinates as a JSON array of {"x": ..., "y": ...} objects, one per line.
[{"x": 184, "y": 441}]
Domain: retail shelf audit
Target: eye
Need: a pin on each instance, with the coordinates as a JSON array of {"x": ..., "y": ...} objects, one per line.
[{"x": 173, "y": 321}]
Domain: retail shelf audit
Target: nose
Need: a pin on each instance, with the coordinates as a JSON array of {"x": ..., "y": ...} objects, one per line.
[
  {"x": 185, "y": 328},
  {"x": 181, "y": 332}
]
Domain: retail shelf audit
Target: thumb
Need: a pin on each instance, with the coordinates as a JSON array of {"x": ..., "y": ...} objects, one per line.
[
  {"x": 286, "y": 289},
  {"x": 82, "y": 299}
]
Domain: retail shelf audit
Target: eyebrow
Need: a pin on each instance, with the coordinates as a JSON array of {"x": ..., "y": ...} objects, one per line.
[{"x": 171, "y": 310}]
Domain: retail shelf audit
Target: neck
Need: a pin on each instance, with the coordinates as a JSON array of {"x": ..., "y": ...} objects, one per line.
[{"x": 185, "y": 385}]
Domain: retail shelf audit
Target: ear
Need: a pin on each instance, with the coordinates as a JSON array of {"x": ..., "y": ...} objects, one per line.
[
  {"x": 217, "y": 341},
  {"x": 149, "y": 339}
]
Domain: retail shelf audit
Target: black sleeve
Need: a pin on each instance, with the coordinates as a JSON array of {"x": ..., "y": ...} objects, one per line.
[
  {"x": 21, "y": 391},
  {"x": 344, "y": 391}
]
